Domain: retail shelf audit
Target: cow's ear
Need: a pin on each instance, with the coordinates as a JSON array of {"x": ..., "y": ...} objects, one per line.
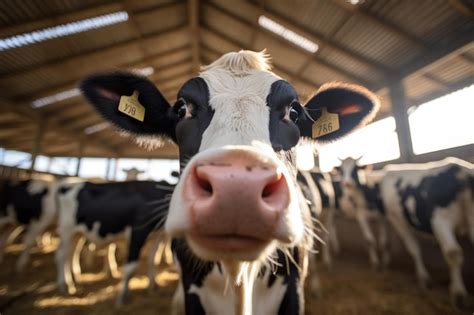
[
  {"x": 352, "y": 105},
  {"x": 104, "y": 91}
]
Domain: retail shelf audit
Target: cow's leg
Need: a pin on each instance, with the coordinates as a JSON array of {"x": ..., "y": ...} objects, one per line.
[
  {"x": 326, "y": 247},
  {"x": 177, "y": 305},
  {"x": 369, "y": 237},
  {"x": 5, "y": 232},
  {"x": 333, "y": 233},
  {"x": 63, "y": 264},
  {"x": 34, "y": 230},
  {"x": 15, "y": 234},
  {"x": 112, "y": 260},
  {"x": 443, "y": 229},
  {"x": 89, "y": 254},
  {"x": 157, "y": 245},
  {"x": 76, "y": 257},
  {"x": 168, "y": 253},
  {"x": 412, "y": 247},
  {"x": 128, "y": 271},
  {"x": 314, "y": 282},
  {"x": 383, "y": 242},
  {"x": 135, "y": 245}
]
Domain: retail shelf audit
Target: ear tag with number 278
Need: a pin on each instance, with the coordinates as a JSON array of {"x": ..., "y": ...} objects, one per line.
[
  {"x": 326, "y": 124},
  {"x": 129, "y": 105}
]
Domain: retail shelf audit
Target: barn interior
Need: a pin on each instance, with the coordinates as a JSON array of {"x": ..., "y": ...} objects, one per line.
[{"x": 416, "y": 56}]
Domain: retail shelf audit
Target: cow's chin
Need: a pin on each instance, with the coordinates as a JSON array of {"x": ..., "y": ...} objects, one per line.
[{"x": 229, "y": 247}]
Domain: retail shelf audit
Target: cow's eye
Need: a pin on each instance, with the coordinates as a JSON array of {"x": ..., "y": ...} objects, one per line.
[
  {"x": 183, "y": 110},
  {"x": 291, "y": 114}
]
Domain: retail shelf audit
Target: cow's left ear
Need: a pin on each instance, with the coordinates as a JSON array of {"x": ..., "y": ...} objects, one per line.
[{"x": 353, "y": 106}]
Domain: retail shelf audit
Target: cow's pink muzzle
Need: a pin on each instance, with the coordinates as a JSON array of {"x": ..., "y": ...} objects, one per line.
[{"x": 235, "y": 205}]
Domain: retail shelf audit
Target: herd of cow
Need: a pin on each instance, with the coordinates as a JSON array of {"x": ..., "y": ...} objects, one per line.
[{"x": 242, "y": 219}]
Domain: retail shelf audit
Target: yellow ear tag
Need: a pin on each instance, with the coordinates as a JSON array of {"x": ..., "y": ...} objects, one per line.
[
  {"x": 326, "y": 124},
  {"x": 129, "y": 105}
]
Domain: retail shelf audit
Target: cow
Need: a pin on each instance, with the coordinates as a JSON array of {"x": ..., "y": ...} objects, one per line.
[
  {"x": 358, "y": 197},
  {"x": 435, "y": 198},
  {"x": 320, "y": 192},
  {"x": 241, "y": 230},
  {"x": 106, "y": 213},
  {"x": 28, "y": 203},
  {"x": 132, "y": 173}
]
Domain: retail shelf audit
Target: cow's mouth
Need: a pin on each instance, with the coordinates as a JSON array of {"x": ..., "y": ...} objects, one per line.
[{"x": 229, "y": 243}]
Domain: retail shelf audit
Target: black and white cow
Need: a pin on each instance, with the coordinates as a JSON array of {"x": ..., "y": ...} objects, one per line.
[
  {"x": 434, "y": 198},
  {"x": 236, "y": 207},
  {"x": 104, "y": 213},
  {"x": 28, "y": 203},
  {"x": 322, "y": 195},
  {"x": 358, "y": 197}
]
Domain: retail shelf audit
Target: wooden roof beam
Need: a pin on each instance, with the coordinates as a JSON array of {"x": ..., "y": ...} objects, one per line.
[
  {"x": 135, "y": 40},
  {"x": 71, "y": 84},
  {"x": 193, "y": 18}
]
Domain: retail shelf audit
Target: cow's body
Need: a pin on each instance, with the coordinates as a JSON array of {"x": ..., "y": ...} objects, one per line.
[
  {"x": 31, "y": 204},
  {"x": 105, "y": 213},
  {"x": 434, "y": 198},
  {"x": 359, "y": 198},
  {"x": 236, "y": 205}
]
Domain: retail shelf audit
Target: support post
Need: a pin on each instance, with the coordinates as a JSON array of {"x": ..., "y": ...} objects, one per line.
[
  {"x": 36, "y": 147},
  {"x": 399, "y": 111},
  {"x": 82, "y": 144}
]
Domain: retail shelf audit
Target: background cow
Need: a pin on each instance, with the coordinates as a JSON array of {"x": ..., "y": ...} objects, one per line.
[
  {"x": 236, "y": 207},
  {"x": 106, "y": 213},
  {"x": 358, "y": 197},
  {"x": 29, "y": 203},
  {"x": 434, "y": 198}
]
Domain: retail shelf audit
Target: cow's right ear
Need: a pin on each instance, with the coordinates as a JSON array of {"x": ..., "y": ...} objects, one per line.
[{"x": 104, "y": 91}]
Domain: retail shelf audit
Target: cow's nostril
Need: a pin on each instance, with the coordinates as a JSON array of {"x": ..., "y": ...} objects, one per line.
[
  {"x": 272, "y": 187},
  {"x": 203, "y": 183}
]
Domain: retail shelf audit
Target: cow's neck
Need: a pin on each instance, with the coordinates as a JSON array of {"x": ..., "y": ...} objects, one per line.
[{"x": 242, "y": 277}]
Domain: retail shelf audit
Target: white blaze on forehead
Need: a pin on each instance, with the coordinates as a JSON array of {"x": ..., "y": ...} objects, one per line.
[{"x": 239, "y": 84}]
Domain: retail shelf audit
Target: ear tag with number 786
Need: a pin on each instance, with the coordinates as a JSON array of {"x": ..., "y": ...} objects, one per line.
[
  {"x": 129, "y": 105},
  {"x": 326, "y": 124}
]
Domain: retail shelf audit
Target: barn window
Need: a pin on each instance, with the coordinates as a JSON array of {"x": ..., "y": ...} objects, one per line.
[
  {"x": 42, "y": 163},
  {"x": 16, "y": 159},
  {"x": 376, "y": 142},
  {"x": 93, "y": 167},
  {"x": 63, "y": 165},
  {"x": 443, "y": 123}
]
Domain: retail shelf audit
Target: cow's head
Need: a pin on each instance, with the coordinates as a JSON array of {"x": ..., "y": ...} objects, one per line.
[
  {"x": 236, "y": 125},
  {"x": 352, "y": 174}
]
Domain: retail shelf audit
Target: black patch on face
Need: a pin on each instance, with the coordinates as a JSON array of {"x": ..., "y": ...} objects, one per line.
[
  {"x": 283, "y": 134},
  {"x": 189, "y": 131},
  {"x": 435, "y": 191}
]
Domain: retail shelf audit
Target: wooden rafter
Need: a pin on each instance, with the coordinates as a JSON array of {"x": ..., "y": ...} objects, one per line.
[{"x": 193, "y": 17}]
